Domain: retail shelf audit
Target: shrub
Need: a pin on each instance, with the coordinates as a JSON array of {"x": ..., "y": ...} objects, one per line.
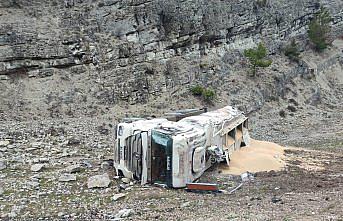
[
  {"x": 292, "y": 51},
  {"x": 257, "y": 57},
  {"x": 207, "y": 94},
  {"x": 262, "y": 3},
  {"x": 291, "y": 108},
  {"x": 203, "y": 65},
  {"x": 197, "y": 90},
  {"x": 319, "y": 28},
  {"x": 282, "y": 113}
]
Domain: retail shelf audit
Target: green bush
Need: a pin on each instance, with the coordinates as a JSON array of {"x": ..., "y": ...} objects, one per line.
[
  {"x": 319, "y": 29},
  {"x": 257, "y": 57},
  {"x": 292, "y": 51},
  {"x": 207, "y": 94},
  {"x": 197, "y": 90},
  {"x": 262, "y": 3}
]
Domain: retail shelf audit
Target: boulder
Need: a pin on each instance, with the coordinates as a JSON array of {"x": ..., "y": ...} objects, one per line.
[
  {"x": 36, "y": 145},
  {"x": 12, "y": 214},
  {"x": 4, "y": 143},
  {"x": 105, "y": 165},
  {"x": 186, "y": 204},
  {"x": 67, "y": 177},
  {"x": 2, "y": 164},
  {"x": 118, "y": 196},
  {"x": 37, "y": 167},
  {"x": 43, "y": 160},
  {"x": 73, "y": 168},
  {"x": 74, "y": 141},
  {"x": 99, "y": 181},
  {"x": 125, "y": 180},
  {"x": 124, "y": 213},
  {"x": 33, "y": 184}
]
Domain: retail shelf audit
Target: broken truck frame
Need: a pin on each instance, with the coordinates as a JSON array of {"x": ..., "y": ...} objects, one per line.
[{"x": 177, "y": 153}]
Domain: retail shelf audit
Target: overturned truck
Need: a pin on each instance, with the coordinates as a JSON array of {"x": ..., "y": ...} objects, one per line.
[{"x": 172, "y": 153}]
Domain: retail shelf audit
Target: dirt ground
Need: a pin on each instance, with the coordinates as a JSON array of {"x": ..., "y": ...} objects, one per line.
[
  {"x": 300, "y": 192},
  {"x": 309, "y": 188}
]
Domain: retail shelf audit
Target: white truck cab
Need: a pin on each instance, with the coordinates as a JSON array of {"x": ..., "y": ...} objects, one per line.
[
  {"x": 177, "y": 153},
  {"x": 131, "y": 148}
]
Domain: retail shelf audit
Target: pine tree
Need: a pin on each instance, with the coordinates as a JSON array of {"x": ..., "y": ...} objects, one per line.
[
  {"x": 319, "y": 29},
  {"x": 292, "y": 51},
  {"x": 257, "y": 57}
]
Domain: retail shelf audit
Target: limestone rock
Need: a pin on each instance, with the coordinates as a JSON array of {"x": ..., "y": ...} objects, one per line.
[
  {"x": 43, "y": 160},
  {"x": 99, "y": 181},
  {"x": 125, "y": 180},
  {"x": 12, "y": 214},
  {"x": 2, "y": 164},
  {"x": 186, "y": 204},
  {"x": 60, "y": 214},
  {"x": 87, "y": 164},
  {"x": 37, "y": 167},
  {"x": 33, "y": 184},
  {"x": 118, "y": 196},
  {"x": 73, "y": 168},
  {"x": 124, "y": 213},
  {"x": 74, "y": 141},
  {"x": 105, "y": 165},
  {"x": 67, "y": 177},
  {"x": 4, "y": 143},
  {"x": 36, "y": 145}
]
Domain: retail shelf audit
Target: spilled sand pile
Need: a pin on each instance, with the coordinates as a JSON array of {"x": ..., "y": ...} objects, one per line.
[{"x": 257, "y": 157}]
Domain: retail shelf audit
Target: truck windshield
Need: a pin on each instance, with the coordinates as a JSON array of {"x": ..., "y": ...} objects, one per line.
[
  {"x": 133, "y": 154},
  {"x": 161, "y": 158}
]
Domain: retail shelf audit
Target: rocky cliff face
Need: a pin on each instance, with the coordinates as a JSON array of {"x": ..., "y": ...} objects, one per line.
[{"x": 82, "y": 57}]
